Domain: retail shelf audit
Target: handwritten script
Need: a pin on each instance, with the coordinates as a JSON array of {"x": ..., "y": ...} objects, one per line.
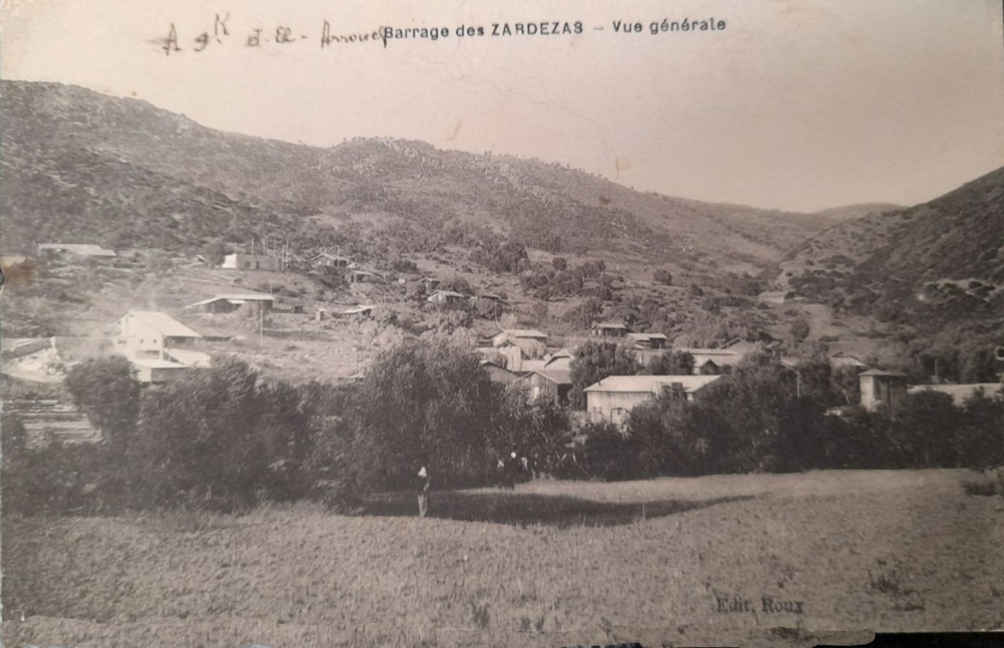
[{"x": 284, "y": 35}]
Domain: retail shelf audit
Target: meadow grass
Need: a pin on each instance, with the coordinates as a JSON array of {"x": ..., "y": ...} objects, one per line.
[{"x": 893, "y": 550}]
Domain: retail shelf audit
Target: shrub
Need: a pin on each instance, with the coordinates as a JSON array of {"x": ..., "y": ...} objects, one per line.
[
  {"x": 106, "y": 390},
  {"x": 404, "y": 266},
  {"x": 608, "y": 453},
  {"x": 223, "y": 437}
]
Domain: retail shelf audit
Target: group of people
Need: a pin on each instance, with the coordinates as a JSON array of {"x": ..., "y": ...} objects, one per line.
[{"x": 509, "y": 468}]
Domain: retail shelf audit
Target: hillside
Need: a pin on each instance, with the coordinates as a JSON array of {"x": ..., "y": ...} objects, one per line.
[
  {"x": 935, "y": 270},
  {"x": 114, "y": 163},
  {"x": 79, "y": 166}
]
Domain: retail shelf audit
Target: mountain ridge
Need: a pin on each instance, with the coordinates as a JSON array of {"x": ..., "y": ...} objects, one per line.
[{"x": 549, "y": 205}]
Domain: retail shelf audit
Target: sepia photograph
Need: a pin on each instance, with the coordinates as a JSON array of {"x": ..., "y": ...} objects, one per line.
[{"x": 557, "y": 324}]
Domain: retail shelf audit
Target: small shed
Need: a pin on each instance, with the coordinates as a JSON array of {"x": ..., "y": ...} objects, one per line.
[
  {"x": 551, "y": 385},
  {"x": 360, "y": 311},
  {"x": 442, "y": 297},
  {"x": 886, "y": 389},
  {"x": 365, "y": 276},
  {"x": 328, "y": 260}
]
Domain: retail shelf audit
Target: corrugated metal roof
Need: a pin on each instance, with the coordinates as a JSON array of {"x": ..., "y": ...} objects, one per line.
[
  {"x": 525, "y": 333},
  {"x": 162, "y": 323},
  {"x": 85, "y": 249},
  {"x": 190, "y": 358},
  {"x": 650, "y": 383},
  {"x": 646, "y": 336},
  {"x": 356, "y": 310},
  {"x": 560, "y": 376},
  {"x": 709, "y": 352},
  {"x": 235, "y": 297},
  {"x": 157, "y": 363}
]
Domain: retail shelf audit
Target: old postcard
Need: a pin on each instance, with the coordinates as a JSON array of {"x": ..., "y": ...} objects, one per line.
[{"x": 500, "y": 323}]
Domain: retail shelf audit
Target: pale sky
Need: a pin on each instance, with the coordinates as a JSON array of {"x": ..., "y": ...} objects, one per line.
[{"x": 795, "y": 105}]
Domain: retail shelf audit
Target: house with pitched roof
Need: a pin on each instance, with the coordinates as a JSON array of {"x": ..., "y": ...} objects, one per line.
[
  {"x": 229, "y": 302},
  {"x": 158, "y": 346},
  {"x": 531, "y": 342},
  {"x": 609, "y": 329},
  {"x": 612, "y": 398}
]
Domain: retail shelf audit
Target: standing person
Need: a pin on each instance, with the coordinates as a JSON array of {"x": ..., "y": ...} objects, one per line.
[
  {"x": 423, "y": 485},
  {"x": 510, "y": 471}
]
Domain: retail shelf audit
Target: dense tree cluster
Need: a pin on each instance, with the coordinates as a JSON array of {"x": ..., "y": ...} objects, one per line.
[
  {"x": 228, "y": 438},
  {"x": 765, "y": 417}
]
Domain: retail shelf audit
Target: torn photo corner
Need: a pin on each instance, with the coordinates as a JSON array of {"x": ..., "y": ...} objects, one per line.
[{"x": 540, "y": 324}]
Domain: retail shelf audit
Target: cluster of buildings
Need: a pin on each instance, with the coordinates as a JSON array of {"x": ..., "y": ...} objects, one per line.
[
  {"x": 521, "y": 356},
  {"x": 161, "y": 348}
]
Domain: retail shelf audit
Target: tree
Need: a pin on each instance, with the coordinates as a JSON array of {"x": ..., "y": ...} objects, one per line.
[
  {"x": 106, "y": 390},
  {"x": 225, "y": 437},
  {"x": 593, "y": 362},
  {"x": 423, "y": 405},
  {"x": 800, "y": 330},
  {"x": 608, "y": 453},
  {"x": 674, "y": 436},
  {"x": 979, "y": 439},
  {"x": 978, "y": 366},
  {"x": 923, "y": 429},
  {"x": 671, "y": 363},
  {"x": 215, "y": 252}
]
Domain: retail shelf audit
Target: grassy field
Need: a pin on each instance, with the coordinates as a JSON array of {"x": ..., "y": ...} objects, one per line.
[{"x": 549, "y": 564}]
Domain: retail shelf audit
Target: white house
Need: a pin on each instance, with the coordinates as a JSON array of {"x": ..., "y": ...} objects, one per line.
[
  {"x": 243, "y": 261},
  {"x": 613, "y": 397},
  {"x": 78, "y": 249},
  {"x": 155, "y": 343}
]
